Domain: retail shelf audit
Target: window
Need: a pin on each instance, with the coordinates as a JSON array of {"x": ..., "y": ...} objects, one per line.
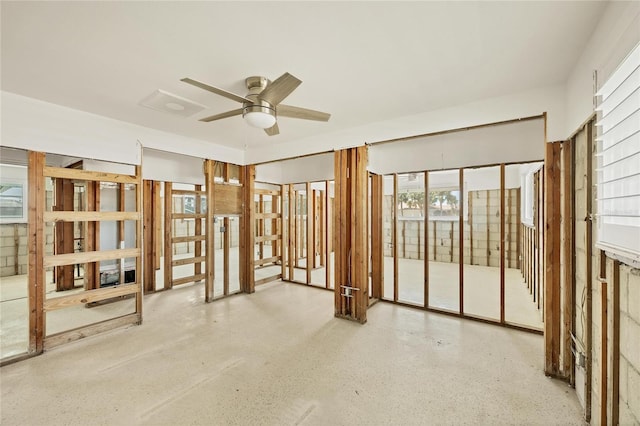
[
  {"x": 618, "y": 159},
  {"x": 11, "y": 200}
]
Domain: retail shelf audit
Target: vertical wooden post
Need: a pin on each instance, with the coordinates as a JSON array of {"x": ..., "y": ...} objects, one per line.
[
  {"x": 37, "y": 284},
  {"x": 121, "y": 236},
  {"x": 488, "y": 229},
  {"x": 168, "y": 236},
  {"x": 502, "y": 234},
  {"x": 328, "y": 234},
  {"x": 615, "y": 345},
  {"x": 284, "y": 226},
  {"x": 309, "y": 231},
  {"x": 293, "y": 254},
  {"x": 64, "y": 193},
  {"x": 321, "y": 225},
  {"x": 426, "y": 239},
  {"x": 471, "y": 227},
  {"x": 197, "y": 245},
  {"x": 461, "y": 239},
  {"x": 312, "y": 238},
  {"x": 508, "y": 227},
  {"x": 149, "y": 234},
  {"x": 552, "y": 259},
  {"x": 352, "y": 283},
  {"x": 394, "y": 236},
  {"x": 139, "y": 244},
  {"x": 589, "y": 271},
  {"x": 226, "y": 238},
  {"x": 92, "y": 237},
  {"x": 569, "y": 250},
  {"x": 209, "y": 229},
  {"x": 519, "y": 245},
  {"x": 275, "y": 227},
  {"x": 377, "y": 260},
  {"x": 247, "y": 261},
  {"x": 604, "y": 353}
]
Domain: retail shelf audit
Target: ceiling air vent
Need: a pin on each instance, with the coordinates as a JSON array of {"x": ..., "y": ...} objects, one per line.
[{"x": 171, "y": 104}]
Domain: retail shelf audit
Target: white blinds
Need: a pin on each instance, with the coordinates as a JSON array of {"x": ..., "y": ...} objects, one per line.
[{"x": 618, "y": 177}]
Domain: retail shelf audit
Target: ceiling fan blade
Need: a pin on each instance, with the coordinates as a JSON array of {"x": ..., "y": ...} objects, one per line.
[
  {"x": 302, "y": 113},
  {"x": 222, "y": 115},
  {"x": 217, "y": 91},
  {"x": 273, "y": 130},
  {"x": 282, "y": 87}
]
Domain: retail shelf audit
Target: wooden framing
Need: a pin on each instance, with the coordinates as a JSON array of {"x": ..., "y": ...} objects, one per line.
[
  {"x": 426, "y": 239},
  {"x": 394, "y": 237},
  {"x": 502, "y": 235},
  {"x": 460, "y": 239},
  {"x": 168, "y": 235},
  {"x": 274, "y": 237},
  {"x": 209, "y": 174},
  {"x": 328, "y": 235},
  {"x": 310, "y": 241},
  {"x": 567, "y": 258},
  {"x": 293, "y": 251},
  {"x": 39, "y": 261},
  {"x": 247, "y": 230},
  {"x": 64, "y": 238},
  {"x": 552, "y": 217},
  {"x": 377, "y": 259},
  {"x": 615, "y": 344},
  {"x": 351, "y": 245}
]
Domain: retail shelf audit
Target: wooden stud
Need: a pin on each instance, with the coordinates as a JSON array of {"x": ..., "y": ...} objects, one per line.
[
  {"x": 149, "y": 233},
  {"x": 426, "y": 239},
  {"x": 394, "y": 237},
  {"x": 377, "y": 259},
  {"x": 64, "y": 238},
  {"x": 569, "y": 250},
  {"x": 508, "y": 230},
  {"x": 247, "y": 258},
  {"x": 275, "y": 225},
  {"x": 461, "y": 239},
  {"x": 197, "y": 245},
  {"x": 92, "y": 236},
  {"x": 292, "y": 253},
  {"x": 328, "y": 235},
  {"x": 518, "y": 230},
  {"x": 615, "y": 345},
  {"x": 589, "y": 271},
  {"x": 604, "y": 353},
  {"x": 168, "y": 235},
  {"x": 37, "y": 275},
  {"x": 209, "y": 266},
  {"x": 552, "y": 258},
  {"x": 284, "y": 227},
  {"x": 121, "y": 229},
  {"x": 309, "y": 231},
  {"x": 322, "y": 226},
  {"x": 488, "y": 213},
  {"x": 471, "y": 227},
  {"x": 502, "y": 235},
  {"x": 78, "y": 174}
]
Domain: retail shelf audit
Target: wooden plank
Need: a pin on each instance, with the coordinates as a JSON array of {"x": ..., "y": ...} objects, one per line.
[
  {"x": 604, "y": 352},
  {"x": 190, "y": 279},
  {"x": 168, "y": 235},
  {"x": 209, "y": 267},
  {"x": 247, "y": 264},
  {"x": 188, "y": 215},
  {"x": 322, "y": 209},
  {"x": 69, "y": 336},
  {"x": 426, "y": 239},
  {"x": 552, "y": 258},
  {"x": 157, "y": 225},
  {"x": 197, "y": 192},
  {"x": 149, "y": 233},
  {"x": 361, "y": 231},
  {"x": 284, "y": 228},
  {"x": 328, "y": 235},
  {"x": 309, "y": 232},
  {"x": 228, "y": 199},
  {"x": 394, "y": 237},
  {"x": 313, "y": 237},
  {"x": 518, "y": 231},
  {"x": 461, "y": 239},
  {"x": 64, "y": 194},
  {"x": 188, "y": 238},
  {"x": 275, "y": 225},
  {"x": 291, "y": 258},
  {"x": 89, "y": 296},
  {"x": 471, "y": 226},
  {"x": 268, "y": 279},
  {"x": 268, "y": 238},
  {"x": 615, "y": 345},
  {"x": 121, "y": 227},
  {"x": 92, "y": 237},
  {"x": 569, "y": 250},
  {"x": 502, "y": 235},
  {"x": 508, "y": 228},
  {"x": 88, "y": 216},
  {"x": 77, "y": 174},
  {"x": 189, "y": 261},
  {"x": 89, "y": 256},
  {"x": 377, "y": 260},
  {"x": 139, "y": 242},
  {"x": 262, "y": 191},
  {"x": 260, "y": 215},
  {"x": 589, "y": 257},
  {"x": 226, "y": 237},
  {"x": 36, "y": 247}
]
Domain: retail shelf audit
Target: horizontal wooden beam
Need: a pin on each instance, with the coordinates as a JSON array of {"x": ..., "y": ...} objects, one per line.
[
  {"x": 188, "y": 239},
  {"x": 89, "y": 256},
  {"x": 188, "y": 260},
  {"x": 58, "y": 172},
  {"x": 89, "y": 296},
  {"x": 188, "y": 216},
  {"x": 260, "y": 191},
  {"x": 191, "y": 279},
  {"x": 263, "y": 238},
  {"x": 187, "y": 192},
  {"x": 268, "y": 215},
  {"x": 71, "y": 216},
  {"x": 268, "y": 279},
  {"x": 85, "y": 331},
  {"x": 260, "y": 262}
]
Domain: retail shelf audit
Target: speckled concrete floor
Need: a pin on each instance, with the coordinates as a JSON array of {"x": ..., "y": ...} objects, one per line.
[{"x": 279, "y": 357}]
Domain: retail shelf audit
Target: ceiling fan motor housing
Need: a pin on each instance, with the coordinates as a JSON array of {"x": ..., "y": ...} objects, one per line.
[{"x": 255, "y": 85}]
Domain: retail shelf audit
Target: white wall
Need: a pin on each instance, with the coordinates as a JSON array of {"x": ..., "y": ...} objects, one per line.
[
  {"x": 306, "y": 169},
  {"x": 507, "y": 143},
  {"x": 616, "y": 34},
  {"x": 41, "y": 126},
  {"x": 525, "y": 104},
  {"x": 167, "y": 166}
]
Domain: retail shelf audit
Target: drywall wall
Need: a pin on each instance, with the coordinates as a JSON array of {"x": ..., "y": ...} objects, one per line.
[
  {"x": 617, "y": 32},
  {"x": 514, "y": 106},
  {"x": 171, "y": 167},
  {"x": 305, "y": 169},
  {"x": 41, "y": 126},
  {"x": 507, "y": 143}
]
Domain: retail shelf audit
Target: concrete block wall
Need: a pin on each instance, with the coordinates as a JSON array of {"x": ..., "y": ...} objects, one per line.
[{"x": 629, "y": 403}]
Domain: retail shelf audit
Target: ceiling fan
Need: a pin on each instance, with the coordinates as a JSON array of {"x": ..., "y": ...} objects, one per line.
[{"x": 261, "y": 106}]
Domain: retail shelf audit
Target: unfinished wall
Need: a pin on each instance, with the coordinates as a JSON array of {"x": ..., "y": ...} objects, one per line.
[{"x": 629, "y": 403}]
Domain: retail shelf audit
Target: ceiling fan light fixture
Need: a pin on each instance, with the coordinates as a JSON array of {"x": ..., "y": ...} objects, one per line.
[{"x": 259, "y": 116}]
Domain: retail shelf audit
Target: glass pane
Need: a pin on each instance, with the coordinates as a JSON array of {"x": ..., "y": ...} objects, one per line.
[
  {"x": 444, "y": 221},
  {"x": 14, "y": 251},
  {"x": 520, "y": 307},
  {"x": 482, "y": 242},
  {"x": 410, "y": 230},
  {"x": 388, "y": 213}
]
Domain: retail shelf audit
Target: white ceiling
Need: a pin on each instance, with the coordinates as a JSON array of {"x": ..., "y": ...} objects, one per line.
[{"x": 363, "y": 62}]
